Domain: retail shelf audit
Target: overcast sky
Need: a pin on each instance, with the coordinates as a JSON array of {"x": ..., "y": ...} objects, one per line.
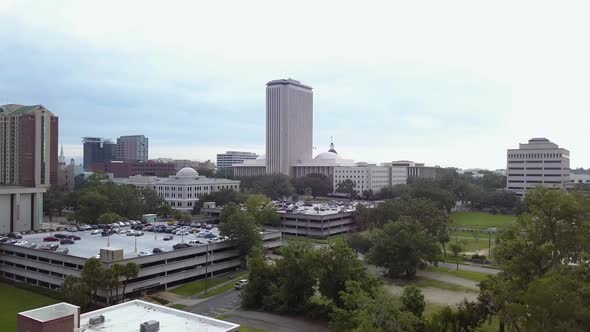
[{"x": 450, "y": 83}]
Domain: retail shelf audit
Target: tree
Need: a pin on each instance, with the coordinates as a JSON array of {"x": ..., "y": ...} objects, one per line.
[
  {"x": 401, "y": 247},
  {"x": 456, "y": 249},
  {"x": 339, "y": 264},
  {"x": 221, "y": 198},
  {"x": 54, "y": 201},
  {"x": 263, "y": 210},
  {"x": 109, "y": 218},
  {"x": 165, "y": 211},
  {"x": 318, "y": 184},
  {"x": 467, "y": 317},
  {"x": 359, "y": 242},
  {"x": 544, "y": 242},
  {"x": 129, "y": 271},
  {"x": 274, "y": 186},
  {"x": 92, "y": 205},
  {"x": 262, "y": 281},
  {"x": 360, "y": 312},
  {"x": 93, "y": 276},
  {"x": 241, "y": 226},
  {"x": 413, "y": 301},
  {"x": 151, "y": 201},
  {"x": 76, "y": 291},
  {"x": 297, "y": 276},
  {"x": 347, "y": 187}
]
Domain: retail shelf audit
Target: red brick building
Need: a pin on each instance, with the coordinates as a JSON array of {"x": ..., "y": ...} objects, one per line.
[{"x": 125, "y": 169}]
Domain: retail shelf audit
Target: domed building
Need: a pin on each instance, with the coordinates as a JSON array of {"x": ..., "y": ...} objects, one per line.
[{"x": 182, "y": 190}]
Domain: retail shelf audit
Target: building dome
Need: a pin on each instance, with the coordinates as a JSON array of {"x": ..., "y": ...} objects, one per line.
[
  {"x": 261, "y": 157},
  {"x": 327, "y": 155},
  {"x": 331, "y": 154},
  {"x": 187, "y": 172}
]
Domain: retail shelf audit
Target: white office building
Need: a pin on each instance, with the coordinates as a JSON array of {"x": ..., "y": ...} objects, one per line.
[
  {"x": 183, "y": 190},
  {"x": 539, "y": 162},
  {"x": 229, "y": 158},
  {"x": 289, "y": 125}
]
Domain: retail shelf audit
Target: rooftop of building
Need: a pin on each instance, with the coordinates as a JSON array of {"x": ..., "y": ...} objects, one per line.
[
  {"x": 15, "y": 109},
  {"x": 89, "y": 244},
  {"x": 51, "y": 312},
  {"x": 288, "y": 81}
]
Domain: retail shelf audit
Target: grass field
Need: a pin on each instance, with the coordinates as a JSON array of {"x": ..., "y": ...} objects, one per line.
[
  {"x": 481, "y": 220},
  {"x": 178, "y": 306},
  {"x": 424, "y": 283},
  {"x": 199, "y": 286},
  {"x": 15, "y": 300},
  {"x": 469, "y": 275}
]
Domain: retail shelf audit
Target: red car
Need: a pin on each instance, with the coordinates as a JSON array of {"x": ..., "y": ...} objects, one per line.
[{"x": 50, "y": 239}]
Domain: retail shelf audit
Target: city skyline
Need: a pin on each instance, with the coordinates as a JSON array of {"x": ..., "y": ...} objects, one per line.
[{"x": 438, "y": 97}]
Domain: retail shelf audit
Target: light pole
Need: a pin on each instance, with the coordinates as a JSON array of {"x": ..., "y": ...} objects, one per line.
[
  {"x": 135, "y": 236},
  {"x": 206, "y": 268}
]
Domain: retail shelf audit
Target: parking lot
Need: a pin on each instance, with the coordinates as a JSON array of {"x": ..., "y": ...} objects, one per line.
[{"x": 89, "y": 245}]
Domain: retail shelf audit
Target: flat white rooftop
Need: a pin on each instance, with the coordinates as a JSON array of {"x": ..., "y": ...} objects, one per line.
[{"x": 127, "y": 317}]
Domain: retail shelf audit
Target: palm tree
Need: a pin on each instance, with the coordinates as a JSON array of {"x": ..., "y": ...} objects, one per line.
[{"x": 130, "y": 270}]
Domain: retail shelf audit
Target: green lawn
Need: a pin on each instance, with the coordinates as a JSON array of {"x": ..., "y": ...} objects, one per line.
[
  {"x": 481, "y": 220},
  {"x": 199, "y": 286},
  {"x": 470, "y": 275},
  {"x": 250, "y": 329},
  {"x": 219, "y": 290},
  {"x": 314, "y": 240},
  {"x": 15, "y": 300}
]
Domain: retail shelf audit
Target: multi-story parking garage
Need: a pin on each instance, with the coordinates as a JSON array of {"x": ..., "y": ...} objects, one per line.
[{"x": 157, "y": 271}]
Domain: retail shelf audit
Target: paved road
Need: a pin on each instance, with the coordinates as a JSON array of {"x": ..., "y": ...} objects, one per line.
[
  {"x": 474, "y": 268},
  {"x": 217, "y": 305}
]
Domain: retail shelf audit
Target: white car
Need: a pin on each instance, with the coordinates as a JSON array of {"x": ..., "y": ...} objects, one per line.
[
  {"x": 193, "y": 243},
  {"x": 240, "y": 284},
  {"x": 121, "y": 224},
  {"x": 144, "y": 253},
  {"x": 95, "y": 231}
]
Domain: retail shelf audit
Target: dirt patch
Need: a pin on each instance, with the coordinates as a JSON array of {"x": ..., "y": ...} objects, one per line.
[{"x": 437, "y": 295}]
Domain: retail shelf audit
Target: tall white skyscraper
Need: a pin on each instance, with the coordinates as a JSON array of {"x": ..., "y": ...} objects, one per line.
[{"x": 289, "y": 125}]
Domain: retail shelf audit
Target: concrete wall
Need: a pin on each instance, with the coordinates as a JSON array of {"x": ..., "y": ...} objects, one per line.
[{"x": 4, "y": 214}]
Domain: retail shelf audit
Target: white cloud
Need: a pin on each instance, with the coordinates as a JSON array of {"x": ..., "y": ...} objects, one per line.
[{"x": 521, "y": 68}]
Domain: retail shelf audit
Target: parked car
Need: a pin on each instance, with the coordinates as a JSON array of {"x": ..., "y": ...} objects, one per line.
[
  {"x": 66, "y": 241},
  {"x": 168, "y": 238},
  {"x": 81, "y": 228},
  {"x": 157, "y": 250},
  {"x": 49, "y": 247},
  {"x": 63, "y": 250},
  {"x": 138, "y": 233},
  {"x": 50, "y": 239},
  {"x": 130, "y": 233},
  {"x": 71, "y": 229},
  {"x": 95, "y": 231},
  {"x": 21, "y": 243},
  {"x": 73, "y": 237},
  {"x": 180, "y": 246},
  {"x": 194, "y": 243},
  {"x": 15, "y": 235},
  {"x": 107, "y": 232},
  {"x": 94, "y": 226},
  {"x": 240, "y": 284},
  {"x": 181, "y": 233},
  {"x": 209, "y": 226},
  {"x": 3, "y": 239},
  {"x": 60, "y": 236},
  {"x": 210, "y": 236},
  {"x": 144, "y": 253}
]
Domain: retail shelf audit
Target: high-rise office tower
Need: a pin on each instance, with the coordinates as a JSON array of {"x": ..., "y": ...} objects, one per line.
[
  {"x": 98, "y": 151},
  {"x": 28, "y": 146},
  {"x": 134, "y": 147},
  {"x": 289, "y": 125},
  {"x": 539, "y": 162}
]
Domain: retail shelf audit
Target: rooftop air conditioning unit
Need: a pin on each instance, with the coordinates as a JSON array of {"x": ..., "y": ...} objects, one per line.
[
  {"x": 149, "y": 326},
  {"x": 96, "y": 320}
]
